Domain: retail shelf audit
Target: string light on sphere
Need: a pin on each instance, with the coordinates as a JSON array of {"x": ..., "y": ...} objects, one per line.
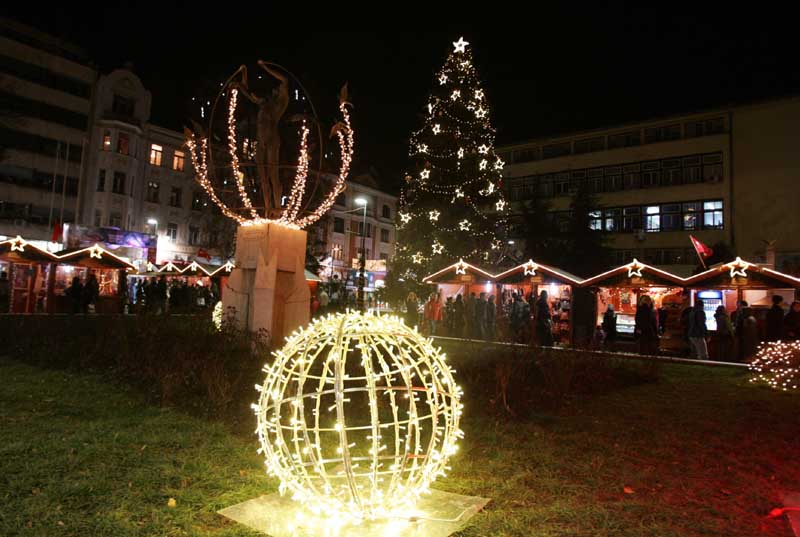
[{"x": 311, "y": 409}]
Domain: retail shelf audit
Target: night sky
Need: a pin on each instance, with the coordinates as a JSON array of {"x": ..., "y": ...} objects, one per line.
[{"x": 544, "y": 73}]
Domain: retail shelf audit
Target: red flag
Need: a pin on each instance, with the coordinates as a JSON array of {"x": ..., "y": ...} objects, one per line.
[
  {"x": 203, "y": 253},
  {"x": 58, "y": 231},
  {"x": 702, "y": 250}
]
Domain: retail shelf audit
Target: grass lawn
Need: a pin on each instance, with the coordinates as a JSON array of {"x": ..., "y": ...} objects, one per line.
[{"x": 701, "y": 452}]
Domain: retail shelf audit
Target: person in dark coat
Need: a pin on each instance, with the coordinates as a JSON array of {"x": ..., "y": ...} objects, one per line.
[
  {"x": 5, "y": 292},
  {"x": 91, "y": 291},
  {"x": 75, "y": 294},
  {"x": 490, "y": 320},
  {"x": 791, "y": 323},
  {"x": 723, "y": 338},
  {"x": 544, "y": 321},
  {"x": 479, "y": 324},
  {"x": 737, "y": 319},
  {"x": 458, "y": 317},
  {"x": 646, "y": 327},
  {"x": 698, "y": 331},
  {"x": 610, "y": 325},
  {"x": 775, "y": 319},
  {"x": 412, "y": 310},
  {"x": 749, "y": 334}
]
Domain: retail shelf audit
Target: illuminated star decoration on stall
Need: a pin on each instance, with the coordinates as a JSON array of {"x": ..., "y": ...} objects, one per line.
[
  {"x": 460, "y": 45},
  {"x": 461, "y": 267},
  {"x": 530, "y": 268},
  {"x": 437, "y": 247},
  {"x": 739, "y": 268},
  {"x": 434, "y": 215},
  {"x": 635, "y": 269},
  {"x": 18, "y": 244},
  {"x": 229, "y": 266},
  {"x": 96, "y": 252}
]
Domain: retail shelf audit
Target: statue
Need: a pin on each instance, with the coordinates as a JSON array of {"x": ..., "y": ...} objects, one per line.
[{"x": 270, "y": 111}]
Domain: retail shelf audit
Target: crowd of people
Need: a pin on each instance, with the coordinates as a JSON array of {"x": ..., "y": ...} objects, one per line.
[
  {"x": 83, "y": 295},
  {"x": 515, "y": 317},
  {"x": 736, "y": 337},
  {"x": 159, "y": 296}
]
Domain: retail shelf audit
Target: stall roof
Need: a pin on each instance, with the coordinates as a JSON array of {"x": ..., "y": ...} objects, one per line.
[
  {"x": 21, "y": 251},
  {"x": 741, "y": 273},
  {"x": 634, "y": 273},
  {"x": 456, "y": 269},
  {"x": 93, "y": 257},
  {"x": 531, "y": 268},
  {"x": 311, "y": 277}
]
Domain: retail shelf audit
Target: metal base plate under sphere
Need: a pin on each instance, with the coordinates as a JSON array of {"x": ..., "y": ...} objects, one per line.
[{"x": 437, "y": 514}]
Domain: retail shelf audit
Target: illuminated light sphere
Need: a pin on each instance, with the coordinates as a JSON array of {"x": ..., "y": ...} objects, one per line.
[
  {"x": 358, "y": 415},
  {"x": 777, "y": 364}
]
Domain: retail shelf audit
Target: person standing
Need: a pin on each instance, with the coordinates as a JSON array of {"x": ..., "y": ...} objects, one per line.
[
  {"x": 544, "y": 322},
  {"x": 791, "y": 323},
  {"x": 469, "y": 316},
  {"x": 5, "y": 293},
  {"x": 610, "y": 325},
  {"x": 458, "y": 317},
  {"x": 91, "y": 291},
  {"x": 698, "y": 331},
  {"x": 75, "y": 294},
  {"x": 412, "y": 310},
  {"x": 323, "y": 301},
  {"x": 724, "y": 335},
  {"x": 775, "y": 319},
  {"x": 491, "y": 320},
  {"x": 433, "y": 313},
  {"x": 737, "y": 319},
  {"x": 646, "y": 327},
  {"x": 749, "y": 334}
]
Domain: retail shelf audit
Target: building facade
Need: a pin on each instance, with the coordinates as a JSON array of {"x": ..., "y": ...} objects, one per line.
[
  {"x": 728, "y": 175},
  {"x": 46, "y": 90},
  {"x": 129, "y": 183},
  {"x": 338, "y": 236}
]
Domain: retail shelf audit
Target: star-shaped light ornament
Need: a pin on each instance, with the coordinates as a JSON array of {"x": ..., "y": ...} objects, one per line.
[
  {"x": 437, "y": 129},
  {"x": 739, "y": 267},
  {"x": 460, "y": 45},
  {"x": 417, "y": 258},
  {"x": 422, "y": 148},
  {"x": 461, "y": 267},
  {"x": 442, "y": 80},
  {"x": 18, "y": 244},
  {"x": 635, "y": 269},
  {"x": 498, "y": 165},
  {"x": 530, "y": 268},
  {"x": 460, "y": 152},
  {"x": 456, "y": 94},
  {"x": 464, "y": 225},
  {"x": 483, "y": 164},
  {"x": 500, "y": 205},
  {"x": 425, "y": 174},
  {"x": 459, "y": 193},
  {"x": 483, "y": 149},
  {"x": 480, "y": 113},
  {"x": 405, "y": 218},
  {"x": 96, "y": 252},
  {"x": 490, "y": 189},
  {"x": 434, "y": 215},
  {"x": 430, "y": 108},
  {"x": 438, "y": 248},
  {"x": 479, "y": 94}
]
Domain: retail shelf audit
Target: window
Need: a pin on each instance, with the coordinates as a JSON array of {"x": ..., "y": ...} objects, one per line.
[
  {"x": 152, "y": 192},
  {"x": 384, "y": 235},
  {"x": 118, "y": 186},
  {"x": 624, "y": 139},
  {"x": 338, "y": 225},
  {"x": 705, "y": 128},
  {"x": 175, "y": 197},
  {"x": 123, "y": 106},
  {"x": 336, "y": 252},
  {"x": 525, "y": 155},
  {"x": 690, "y": 211},
  {"x": 101, "y": 181},
  {"x": 194, "y": 235},
  {"x": 556, "y": 150},
  {"x": 662, "y": 134},
  {"x": 712, "y": 173},
  {"x": 589, "y": 145},
  {"x": 632, "y": 180},
  {"x": 712, "y": 215},
  {"x": 107, "y": 141},
  {"x": 172, "y": 231},
  {"x": 596, "y": 220},
  {"x": 562, "y": 188},
  {"x": 115, "y": 220},
  {"x": 653, "y": 218},
  {"x": 197, "y": 201},
  {"x": 123, "y": 144},
  {"x": 631, "y": 218},
  {"x": 156, "y": 151},
  {"x": 613, "y": 219},
  {"x": 671, "y": 217},
  {"x": 361, "y": 227},
  {"x": 98, "y": 218},
  {"x": 386, "y": 212},
  {"x": 178, "y": 160}
]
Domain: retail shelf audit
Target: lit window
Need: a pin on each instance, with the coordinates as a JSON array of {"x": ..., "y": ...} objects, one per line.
[
  {"x": 107, "y": 141},
  {"x": 177, "y": 160},
  {"x": 653, "y": 221},
  {"x": 595, "y": 221},
  {"x": 155, "y": 154}
]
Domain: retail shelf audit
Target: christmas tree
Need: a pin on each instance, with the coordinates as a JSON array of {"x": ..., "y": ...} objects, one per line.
[{"x": 452, "y": 206}]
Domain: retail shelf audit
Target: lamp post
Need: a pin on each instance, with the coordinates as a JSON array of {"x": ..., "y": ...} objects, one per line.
[{"x": 362, "y": 260}]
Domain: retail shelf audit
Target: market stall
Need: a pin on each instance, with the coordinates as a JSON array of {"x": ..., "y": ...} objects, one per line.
[
  {"x": 109, "y": 270},
  {"x": 623, "y": 288},
  {"x": 530, "y": 279},
  {"x": 461, "y": 279},
  {"x": 29, "y": 270}
]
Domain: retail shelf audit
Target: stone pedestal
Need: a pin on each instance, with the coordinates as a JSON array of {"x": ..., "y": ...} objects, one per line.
[{"x": 268, "y": 288}]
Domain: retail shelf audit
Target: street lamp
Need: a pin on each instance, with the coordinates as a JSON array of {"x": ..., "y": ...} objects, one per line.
[{"x": 362, "y": 260}]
